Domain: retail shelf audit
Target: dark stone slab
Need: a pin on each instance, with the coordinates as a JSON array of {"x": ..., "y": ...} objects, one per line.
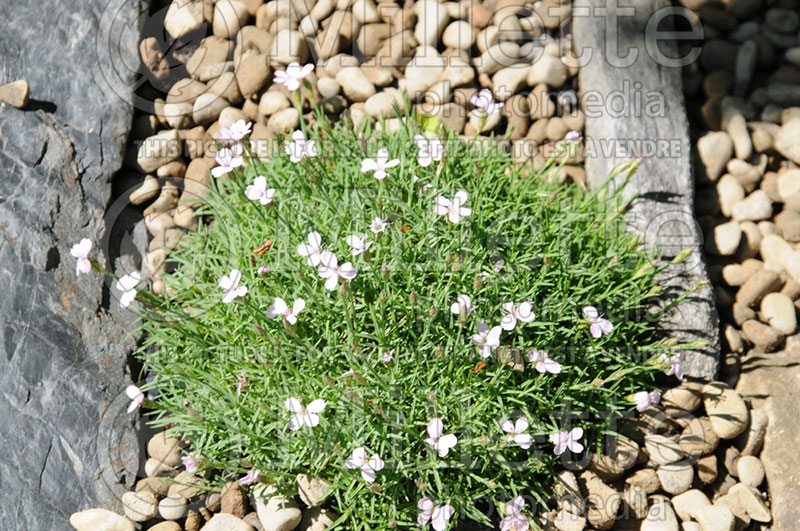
[
  {"x": 642, "y": 113},
  {"x": 64, "y": 344}
]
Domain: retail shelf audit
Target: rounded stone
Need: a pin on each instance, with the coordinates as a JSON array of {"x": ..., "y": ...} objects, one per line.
[
  {"x": 750, "y": 470},
  {"x": 715, "y": 518},
  {"x": 94, "y": 519},
  {"x": 459, "y": 34},
  {"x": 165, "y": 448},
  {"x": 698, "y": 437},
  {"x": 140, "y": 506},
  {"x": 689, "y": 503},
  {"x": 726, "y": 409},
  {"x": 662, "y": 450},
  {"x": 686, "y": 396},
  {"x": 676, "y": 477},
  {"x": 660, "y": 517},
  {"x": 779, "y": 312},
  {"x": 172, "y": 507}
]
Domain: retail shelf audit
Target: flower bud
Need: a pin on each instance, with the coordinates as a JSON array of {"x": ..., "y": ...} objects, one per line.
[
  {"x": 412, "y": 298},
  {"x": 477, "y": 284},
  {"x": 382, "y": 298},
  {"x": 300, "y": 274},
  {"x": 457, "y": 264},
  {"x": 448, "y": 258},
  {"x": 384, "y": 272},
  {"x": 433, "y": 312},
  {"x": 343, "y": 290}
]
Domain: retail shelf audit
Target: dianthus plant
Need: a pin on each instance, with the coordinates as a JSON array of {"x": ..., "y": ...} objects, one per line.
[{"x": 430, "y": 341}]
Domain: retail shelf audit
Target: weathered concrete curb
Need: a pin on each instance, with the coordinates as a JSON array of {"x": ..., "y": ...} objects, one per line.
[{"x": 663, "y": 212}]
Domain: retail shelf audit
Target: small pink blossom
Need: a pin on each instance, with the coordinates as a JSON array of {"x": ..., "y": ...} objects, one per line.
[
  {"x": 368, "y": 467},
  {"x": 312, "y": 249},
  {"x": 300, "y": 147},
  {"x": 249, "y": 478},
  {"x": 388, "y": 356},
  {"x": 189, "y": 462},
  {"x": 237, "y": 131},
  {"x": 429, "y": 150},
  {"x": 516, "y": 432},
  {"x": 572, "y": 137},
  {"x": 293, "y": 75},
  {"x": 487, "y": 339},
  {"x": 358, "y": 244},
  {"x": 127, "y": 285},
  {"x": 378, "y": 225},
  {"x": 231, "y": 286},
  {"x": 567, "y": 439},
  {"x": 330, "y": 270},
  {"x": 515, "y": 520},
  {"x": 463, "y": 303},
  {"x": 136, "y": 396},
  {"x": 523, "y": 313},
  {"x": 379, "y": 165},
  {"x": 675, "y": 364},
  {"x": 81, "y": 252},
  {"x": 455, "y": 209},
  {"x": 258, "y": 191},
  {"x": 441, "y": 443},
  {"x": 646, "y": 399},
  {"x": 228, "y": 160},
  {"x": 304, "y": 415},
  {"x": 598, "y": 325},
  {"x": 485, "y": 101},
  {"x": 241, "y": 382},
  {"x": 542, "y": 362},
  {"x": 437, "y": 515},
  {"x": 263, "y": 270},
  {"x": 280, "y": 308}
]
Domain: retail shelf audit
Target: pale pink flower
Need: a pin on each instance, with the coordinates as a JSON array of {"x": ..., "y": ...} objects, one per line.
[
  {"x": 463, "y": 303},
  {"x": 441, "y": 443},
  {"x": 300, "y": 147},
  {"x": 263, "y": 270},
  {"x": 330, "y": 269},
  {"x": 515, "y": 520},
  {"x": 304, "y": 416},
  {"x": 516, "y": 432},
  {"x": 487, "y": 339},
  {"x": 81, "y": 252},
  {"x": 231, "y": 286},
  {"x": 437, "y": 515},
  {"x": 189, "y": 462},
  {"x": 598, "y": 325},
  {"x": 644, "y": 399},
  {"x": 279, "y": 308},
  {"x": 237, "y": 131},
  {"x": 228, "y": 160},
  {"x": 293, "y": 75},
  {"x": 485, "y": 101},
  {"x": 312, "y": 249},
  {"x": 378, "y": 225},
  {"x": 127, "y": 285},
  {"x": 368, "y": 466},
  {"x": 429, "y": 150},
  {"x": 380, "y": 164},
  {"x": 136, "y": 396},
  {"x": 542, "y": 362},
  {"x": 572, "y": 137},
  {"x": 388, "y": 357},
  {"x": 455, "y": 209},
  {"x": 523, "y": 313},
  {"x": 358, "y": 244},
  {"x": 567, "y": 439},
  {"x": 675, "y": 364},
  {"x": 258, "y": 191},
  {"x": 241, "y": 382},
  {"x": 248, "y": 478}
]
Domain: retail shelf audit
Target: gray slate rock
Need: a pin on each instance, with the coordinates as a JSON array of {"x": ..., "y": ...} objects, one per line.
[
  {"x": 67, "y": 444},
  {"x": 662, "y": 215}
]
